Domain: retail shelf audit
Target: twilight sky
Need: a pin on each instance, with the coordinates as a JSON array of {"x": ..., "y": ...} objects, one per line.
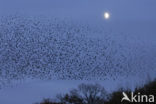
[{"x": 120, "y": 10}]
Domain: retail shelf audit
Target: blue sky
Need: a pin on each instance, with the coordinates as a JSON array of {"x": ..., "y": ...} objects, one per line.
[{"x": 121, "y": 10}]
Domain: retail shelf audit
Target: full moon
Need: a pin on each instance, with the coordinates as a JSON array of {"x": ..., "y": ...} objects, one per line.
[{"x": 106, "y": 15}]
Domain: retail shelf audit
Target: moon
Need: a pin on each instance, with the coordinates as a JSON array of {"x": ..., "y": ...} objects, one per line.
[{"x": 106, "y": 15}]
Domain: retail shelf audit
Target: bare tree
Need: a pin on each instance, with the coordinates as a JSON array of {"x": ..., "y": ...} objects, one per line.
[{"x": 86, "y": 94}]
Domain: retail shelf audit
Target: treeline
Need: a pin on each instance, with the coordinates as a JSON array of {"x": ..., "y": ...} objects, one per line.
[{"x": 96, "y": 94}]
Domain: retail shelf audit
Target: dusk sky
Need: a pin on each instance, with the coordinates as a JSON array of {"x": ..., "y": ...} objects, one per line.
[
  {"x": 49, "y": 47},
  {"x": 120, "y": 10}
]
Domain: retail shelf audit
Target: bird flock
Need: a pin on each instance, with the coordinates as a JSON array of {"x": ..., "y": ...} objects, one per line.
[{"x": 58, "y": 49}]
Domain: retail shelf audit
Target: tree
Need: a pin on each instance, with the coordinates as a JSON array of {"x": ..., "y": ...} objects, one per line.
[{"x": 86, "y": 94}]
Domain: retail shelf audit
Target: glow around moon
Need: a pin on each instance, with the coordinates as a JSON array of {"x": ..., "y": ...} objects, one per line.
[{"x": 106, "y": 15}]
